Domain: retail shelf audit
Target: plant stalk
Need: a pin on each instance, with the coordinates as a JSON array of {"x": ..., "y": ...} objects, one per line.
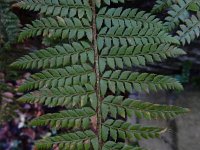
[{"x": 97, "y": 72}]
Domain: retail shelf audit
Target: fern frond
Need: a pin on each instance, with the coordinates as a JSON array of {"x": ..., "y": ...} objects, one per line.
[
  {"x": 108, "y": 2},
  {"x": 178, "y": 12},
  {"x": 79, "y": 75},
  {"x": 78, "y": 140},
  {"x": 58, "y": 56},
  {"x": 116, "y": 36},
  {"x": 110, "y": 145},
  {"x": 98, "y": 3},
  {"x": 70, "y": 28},
  {"x": 138, "y": 55},
  {"x": 120, "y": 129},
  {"x": 9, "y": 23},
  {"x": 194, "y": 6},
  {"x": 124, "y": 81},
  {"x": 74, "y": 75},
  {"x": 76, "y": 118},
  {"x": 118, "y": 105},
  {"x": 189, "y": 31},
  {"x": 128, "y": 17},
  {"x": 68, "y": 96},
  {"x": 162, "y": 5},
  {"x": 59, "y": 8}
]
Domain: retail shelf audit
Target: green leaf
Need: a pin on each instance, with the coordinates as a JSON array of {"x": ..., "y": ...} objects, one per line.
[
  {"x": 77, "y": 139},
  {"x": 127, "y": 107}
]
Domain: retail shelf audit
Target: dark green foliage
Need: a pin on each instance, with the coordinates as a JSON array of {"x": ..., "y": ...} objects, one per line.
[
  {"x": 9, "y": 23},
  {"x": 9, "y": 30},
  {"x": 88, "y": 72}
]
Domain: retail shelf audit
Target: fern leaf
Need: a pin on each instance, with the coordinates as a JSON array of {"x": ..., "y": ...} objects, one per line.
[
  {"x": 190, "y": 31},
  {"x": 162, "y": 5},
  {"x": 124, "y": 81},
  {"x": 70, "y": 28},
  {"x": 79, "y": 75},
  {"x": 108, "y": 2},
  {"x": 76, "y": 118},
  {"x": 118, "y": 105},
  {"x": 59, "y": 8},
  {"x": 9, "y": 23},
  {"x": 120, "y": 129},
  {"x": 76, "y": 140},
  {"x": 68, "y": 96},
  {"x": 128, "y": 17},
  {"x": 138, "y": 55},
  {"x": 110, "y": 145},
  {"x": 178, "y": 12},
  {"x": 58, "y": 56},
  {"x": 74, "y": 75},
  {"x": 98, "y": 3},
  {"x": 116, "y": 36},
  {"x": 194, "y": 6}
]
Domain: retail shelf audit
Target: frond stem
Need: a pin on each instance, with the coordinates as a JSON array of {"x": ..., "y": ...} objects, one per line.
[{"x": 97, "y": 71}]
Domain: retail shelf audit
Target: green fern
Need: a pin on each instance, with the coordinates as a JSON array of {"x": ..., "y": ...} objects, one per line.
[
  {"x": 9, "y": 23},
  {"x": 177, "y": 13},
  {"x": 118, "y": 105},
  {"x": 127, "y": 17},
  {"x": 119, "y": 146},
  {"x": 190, "y": 30},
  {"x": 161, "y": 5},
  {"x": 88, "y": 72},
  {"x": 79, "y": 140},
  {"x": 181, "y": 18},
  {"x": 9, "y": 30}
]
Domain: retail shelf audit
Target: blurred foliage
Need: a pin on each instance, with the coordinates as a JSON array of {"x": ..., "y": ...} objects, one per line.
[
  {"x": 9, "y": 29},
  {"x": 185, "y": 75}
]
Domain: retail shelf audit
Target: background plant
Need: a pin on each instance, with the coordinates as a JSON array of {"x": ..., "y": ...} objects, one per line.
[
  {"x": 88, "y": 75},
  {"x": 182, "y": 18},
  {"x": 9, "y": 30}
]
